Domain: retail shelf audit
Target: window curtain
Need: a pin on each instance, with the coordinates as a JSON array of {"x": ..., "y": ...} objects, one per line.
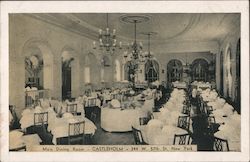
[
  {"x": 126, "y": 71},
  {"x": 154, "y": 65}
]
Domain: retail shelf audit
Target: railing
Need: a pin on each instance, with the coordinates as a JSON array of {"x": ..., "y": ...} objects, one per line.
[{"x": 33, "y": 96}]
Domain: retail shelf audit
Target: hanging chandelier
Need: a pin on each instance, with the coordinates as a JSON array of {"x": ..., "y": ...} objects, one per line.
[
  {"x": 149, "y": 54},
  {"x": 134, "y": 50},
  {"x": 107, "y": 39}
]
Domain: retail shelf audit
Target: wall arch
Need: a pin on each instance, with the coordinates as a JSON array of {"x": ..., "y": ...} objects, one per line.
[{"x": 48, "y": 59}]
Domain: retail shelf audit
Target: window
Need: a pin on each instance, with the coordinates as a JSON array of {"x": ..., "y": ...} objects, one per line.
[
  {"x": 200, "y": 70},
  {"x": 228, "y": 75},
  {"x": 174, "y": 70},
  {"x": 151, "y": 71}
]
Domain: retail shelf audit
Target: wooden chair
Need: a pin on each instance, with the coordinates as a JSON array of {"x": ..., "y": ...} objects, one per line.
[
  {"x": 91, "y": 102},
  {"x": 12, "y": 110},
  {"x": 184, "y": 122},
  {"x": 143, "y": 120},
  {"x": 22, "y": 148},
  {"x": 76, "y": 133},
  {"x": 220, "y": 144},
  {"x": 209, "y": 109},
  {"x": 150, "y": 116},
  {"x": 41, "y": 121},
  {"x": 182, "y": 139},
  {"x": 72, "y": 108},
  {"x": 211, "y": 120},
  {"x": 186, "y": 110},
  {"x": 93, "y": 117},
  {"x": 138, "y": 137}
]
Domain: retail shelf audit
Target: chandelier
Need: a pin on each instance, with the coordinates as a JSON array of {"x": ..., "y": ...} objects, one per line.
[
  {"x": 148, "y": 55},
  {"x": 135, "y": 48},
  {"x": 107, "y": 39}
]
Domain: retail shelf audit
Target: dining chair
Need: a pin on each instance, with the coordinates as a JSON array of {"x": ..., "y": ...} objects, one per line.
[
  {"x": 220, "y": 144},
  {"x": 184, "y": 122},
  {"x": 209, "y": 109},
  {"x": 186, "y": 110},
  {"x": 138, "y": 137},
  {"x": 40, "y": 121},
  {"x": 76, "y": 133},
  {"x": 143, "y": 120},
  {"x": 72, "y": 108},
  {"x": 91, "y": 102},
  {"x": 13, "y": 123},
  {"x": 93, "y": 117},
  {"x": 150, "y": 115},
  {"x": 182, "y": 139}
]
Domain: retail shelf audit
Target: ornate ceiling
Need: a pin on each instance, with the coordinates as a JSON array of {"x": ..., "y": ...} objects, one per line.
[{"x": 169, "y": 26}]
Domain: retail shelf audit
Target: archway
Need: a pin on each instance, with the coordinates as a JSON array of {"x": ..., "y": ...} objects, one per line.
[
  {"x": 42, "y": 51},
  {"x": 174, "y": 70},
  {"x": 70, "y": 73},
  {"x": 67, "y": 60},
  {"x": 199, "y": 70}
]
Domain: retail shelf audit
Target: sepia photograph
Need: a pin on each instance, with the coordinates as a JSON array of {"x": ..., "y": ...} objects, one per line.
[{"x": 125, "y": 81}]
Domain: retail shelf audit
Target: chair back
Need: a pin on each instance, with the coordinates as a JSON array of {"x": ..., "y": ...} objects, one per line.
[
  {"x": 138, "y": 137},
  {"x": 72, "y": 108},
  {"x": 209, "y": 109},
  {"x": 186, "y": 110},
  {"x": 220, "y": 144},
  {"x": 93, "y": 117},
  {"x": 40, "y": 119},
  {"x": 182, "y": 139},
  {"x": 76, "y": 132},
  {"x": 211, "y": 120},
  {"x": 143, "y": 120},
  {"x": 184, "y": 122},
  {"x": 150, "y": 116},
  {"x": 91, "y": 102}
]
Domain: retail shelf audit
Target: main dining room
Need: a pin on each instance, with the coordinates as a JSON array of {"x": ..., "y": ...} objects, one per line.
[{"x": 125, "y": 79}]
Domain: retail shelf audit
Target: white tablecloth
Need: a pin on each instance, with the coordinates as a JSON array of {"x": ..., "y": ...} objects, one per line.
[
  {"x": 118, "y": 120},
  {"x": 230, "y": 131},
  {"x": 59, "y": 128},
  {"x": 160, "y": 136}
]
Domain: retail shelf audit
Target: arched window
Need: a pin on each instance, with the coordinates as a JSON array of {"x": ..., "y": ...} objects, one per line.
[
  {"x": 238, "y": 86},
  {"x": 221, "y": 72},
  {"x": 151, "y": 71},
  {"x": 117, "y": 71},
  {"x": 174, "y": 70},
  {"x": 228, "y": 74},
  {"x": 200, "y": 70}
]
